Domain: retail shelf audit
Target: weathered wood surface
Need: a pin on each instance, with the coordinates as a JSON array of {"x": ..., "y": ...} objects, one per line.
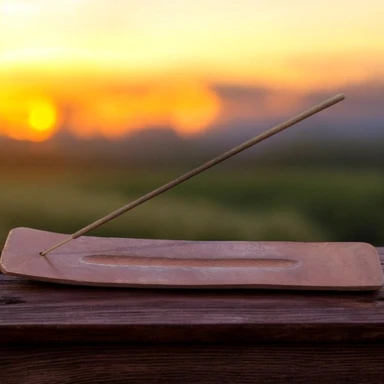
[
  {"x": 266, "y": 364},
  {"x": 43, "y": 312},
  {"x": 61, "y": 334}
]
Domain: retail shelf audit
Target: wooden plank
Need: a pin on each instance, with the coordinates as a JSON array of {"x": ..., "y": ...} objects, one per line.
[
  {"x": 101, "y": 261},
  {"x": 43, "y": 312},
  {"x": 267, "y": 364}
]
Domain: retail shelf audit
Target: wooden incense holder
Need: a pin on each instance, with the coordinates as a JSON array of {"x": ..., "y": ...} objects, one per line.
[{"x": 146, "y": 263}]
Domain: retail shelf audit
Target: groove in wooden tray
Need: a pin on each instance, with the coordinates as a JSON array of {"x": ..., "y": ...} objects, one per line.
[{"x": 132, "y": 261}]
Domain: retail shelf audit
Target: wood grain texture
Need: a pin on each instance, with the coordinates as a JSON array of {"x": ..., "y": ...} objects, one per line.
[
  {"x": 50, "y": 313},
  {"x": 101, "y": 261},
  {"x": 265, "y": 364}
]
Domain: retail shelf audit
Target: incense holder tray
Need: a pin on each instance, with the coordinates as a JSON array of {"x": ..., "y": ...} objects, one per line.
[{"x": 144, "y": 263}]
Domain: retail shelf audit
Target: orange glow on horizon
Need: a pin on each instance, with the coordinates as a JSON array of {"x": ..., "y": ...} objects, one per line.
[{"x": 188, "y": 108}]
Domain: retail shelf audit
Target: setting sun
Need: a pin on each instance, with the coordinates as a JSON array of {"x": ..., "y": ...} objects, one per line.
[
  {"x": 27, "y": 117},
  {"x": 42, "y": 117}
]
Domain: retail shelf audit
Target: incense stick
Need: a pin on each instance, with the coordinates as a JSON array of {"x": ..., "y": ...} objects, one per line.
[{"x": 257, "y": 139}]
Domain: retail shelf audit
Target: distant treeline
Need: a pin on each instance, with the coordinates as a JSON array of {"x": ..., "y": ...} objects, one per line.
[{"x": 172, "y": 151}]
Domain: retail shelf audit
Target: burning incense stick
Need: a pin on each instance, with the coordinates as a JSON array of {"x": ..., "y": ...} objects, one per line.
[{"x": 257, "y": 139}]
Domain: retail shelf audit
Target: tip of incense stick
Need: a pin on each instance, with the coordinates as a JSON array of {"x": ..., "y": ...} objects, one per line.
[
  {"x": 56, "y": 246},
  {"x": 337, "y": 98}
]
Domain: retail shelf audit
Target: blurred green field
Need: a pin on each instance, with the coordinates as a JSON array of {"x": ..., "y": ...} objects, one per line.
[{"x": 221, "y": 204}]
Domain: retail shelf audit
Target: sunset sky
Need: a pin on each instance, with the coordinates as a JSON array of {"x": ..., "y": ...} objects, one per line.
[{"x": 103, "y": 67}]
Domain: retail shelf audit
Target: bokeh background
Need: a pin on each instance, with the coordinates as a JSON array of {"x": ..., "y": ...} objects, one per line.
[{"x": 102, "y": 101}]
